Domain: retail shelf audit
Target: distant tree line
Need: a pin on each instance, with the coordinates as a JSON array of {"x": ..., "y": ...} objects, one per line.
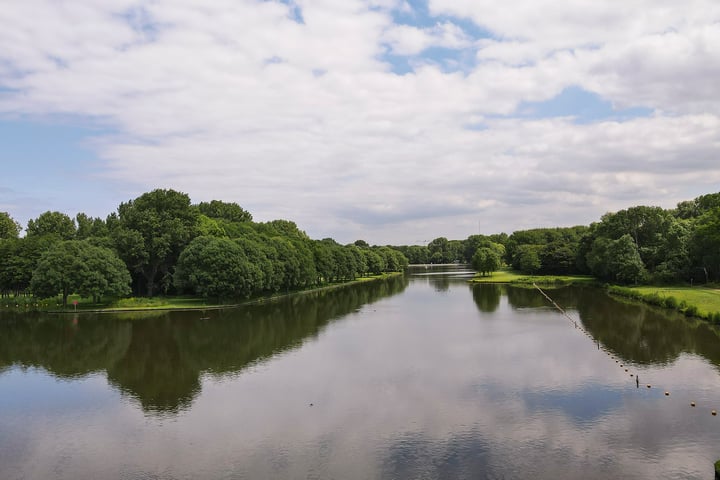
[
  {"x": 162, "y": 243},
  {"x": 635, "y": 245}
]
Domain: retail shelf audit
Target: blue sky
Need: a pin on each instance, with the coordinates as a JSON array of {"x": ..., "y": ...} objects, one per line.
[{"x": 387, "y": 120}]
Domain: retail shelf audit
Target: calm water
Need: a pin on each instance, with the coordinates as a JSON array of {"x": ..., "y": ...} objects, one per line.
[{"x": 419, "y": 377}]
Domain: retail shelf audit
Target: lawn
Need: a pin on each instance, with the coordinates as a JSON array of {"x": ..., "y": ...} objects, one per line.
[
  {"x": 508, "y": 276},
  {"x": 707, "y": 300}
]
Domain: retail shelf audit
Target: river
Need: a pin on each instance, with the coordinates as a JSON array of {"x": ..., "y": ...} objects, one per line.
[{"x": 415, "y": 377}]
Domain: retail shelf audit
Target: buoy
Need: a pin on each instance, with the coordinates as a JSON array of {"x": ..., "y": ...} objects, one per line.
[
  {"x": 632, "y": 374},
  {"x": 667, "y": 394},
  {"x": 626, "y": 369},
  {"x": 713, "y": 413},
  {"x": 621, "y": 365},
  {"x": 648, "y": 385},
  {"x": 692, "y": 404}
]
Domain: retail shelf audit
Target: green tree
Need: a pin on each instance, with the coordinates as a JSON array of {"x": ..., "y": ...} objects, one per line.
[
  {"x": 558, "y": 258},
  {"x": 75, "y": 266},
  {"x": 209, "y": 227},
  {"x": 153, "y": 230},
  {"x": 324, "y": 261},
  {"x": 52, "y": 223},
  {"x": 88, "y": 227},
  {"x": 9, "y": 228},
  {"x": 375, "y": 262},
  {"x": 230, "y": 212},
  {"x": 705, "y": 244},
  {"x": 486, "y": 260},
  {"x": 217, "y": 268},
  {"x": 625, "y": 263},
  {"x": 526, "y": 258}
]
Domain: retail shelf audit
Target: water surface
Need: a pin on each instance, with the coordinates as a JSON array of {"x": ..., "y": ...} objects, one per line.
[{"x": 417, "y": 377}]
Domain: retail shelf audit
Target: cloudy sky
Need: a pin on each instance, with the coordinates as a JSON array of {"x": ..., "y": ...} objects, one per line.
[{"x": 395, "y": 121}]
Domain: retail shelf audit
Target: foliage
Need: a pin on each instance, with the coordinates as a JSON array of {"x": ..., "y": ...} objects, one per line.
[
  {"x": 153, "y": 230},
  {"x": 486, "y": 260},
  {"x": 52, "y": 223},
  {"x": 77, "y": 266},
  {"x": 9, "y": 228},
  {"x": 230, "y": 212},
  {"x": 217, "y": 268}
]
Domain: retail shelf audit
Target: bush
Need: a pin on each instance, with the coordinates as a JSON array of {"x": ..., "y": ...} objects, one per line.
[
  {"x": 691, "y": 311},
  {"x": 654, "y": 299},
  {"x": 670, "y": 302}
]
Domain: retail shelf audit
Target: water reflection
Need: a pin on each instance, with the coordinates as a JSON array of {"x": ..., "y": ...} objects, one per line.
[
  {"x": 419, "y": 385},
  {"x": 159, "y": 360},
  {"x": 635, "y": 332},
  {"x": 486, "y": 296}
]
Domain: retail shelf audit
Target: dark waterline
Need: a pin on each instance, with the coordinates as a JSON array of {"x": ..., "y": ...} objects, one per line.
[{"x": 416, "y": 377}]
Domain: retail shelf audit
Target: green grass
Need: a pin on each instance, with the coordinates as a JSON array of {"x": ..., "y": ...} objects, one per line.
[
  {"x": 701, "y": 302},
  {"x": 158, "y": 303},
  {"x": 508, "y": 276}
]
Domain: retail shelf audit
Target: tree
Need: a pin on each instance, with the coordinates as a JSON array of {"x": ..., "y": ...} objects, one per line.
[
  {"x": 527, "y": 258},
  {"x": 52, "y": 223},
  {"x": 558, "y": 258},
  {"x": 209, "y": 227},
  {"x": 9, "y": 228},
  {"x": 217, "y": 268},
  {"x": 75, "y": 266},
  {"x": 486, "y": 260},
  {"x": 616, "y": 260},
  {"x": 705, "y": 243},
  {"x": 625, "y": 263},
  {"x": 88, "y": 227},
  {"x": 153, "y": 230},
  {"x": 230, "y": 212}
]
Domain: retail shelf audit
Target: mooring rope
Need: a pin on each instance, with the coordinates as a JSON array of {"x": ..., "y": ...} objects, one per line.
[{"x": 612, "y": 357}]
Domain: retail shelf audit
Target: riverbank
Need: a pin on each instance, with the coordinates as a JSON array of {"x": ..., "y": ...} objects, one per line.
[
  {"x": 701, "y": 302},
  {"x": 139, "y": 304},
  {"x": 515, "y": 278}
]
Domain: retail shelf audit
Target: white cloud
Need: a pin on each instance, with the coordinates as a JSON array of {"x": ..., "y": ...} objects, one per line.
[
  {"x": 410, "y": 40},
  {"x": 239, "y": 100}
]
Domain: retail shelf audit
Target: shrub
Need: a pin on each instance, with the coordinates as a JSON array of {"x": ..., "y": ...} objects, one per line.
[
  {"x": 671, "y": 302},
  {"x": 654, "y": 299},
  {"x": 691, "y": 311}
]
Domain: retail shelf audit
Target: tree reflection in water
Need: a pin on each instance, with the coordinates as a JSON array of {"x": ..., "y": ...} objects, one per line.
[{"x": 158, "y": 358}]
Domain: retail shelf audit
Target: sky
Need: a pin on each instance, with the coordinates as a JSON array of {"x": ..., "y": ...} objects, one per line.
[{"x": 392, "y": 121}]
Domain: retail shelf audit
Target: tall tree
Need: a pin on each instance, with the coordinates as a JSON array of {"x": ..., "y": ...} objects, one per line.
[
  {"x": 217, "y": 268},
  {"x": 153, "y": 230},
  {"x": 52, "y": 223},
  {"x": 486, "y": 260},
  {"x": 9, "y": 228},
  {"x": 75, "y": 266},
  {"x": 230, "y": 212}
]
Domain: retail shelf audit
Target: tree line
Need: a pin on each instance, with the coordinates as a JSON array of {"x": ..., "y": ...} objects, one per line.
[
  {"x": 162, "y": 243},
  {"x": 636, "y": 245}
]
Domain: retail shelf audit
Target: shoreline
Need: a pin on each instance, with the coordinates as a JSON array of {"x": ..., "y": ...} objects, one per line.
[{"x": 218, "y": 306}]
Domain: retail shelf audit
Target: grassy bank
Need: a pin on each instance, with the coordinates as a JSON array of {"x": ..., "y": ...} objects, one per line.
[
  {"x": 701, "y": 302},
  {"x": 132, "y": 304},
  {"x": 508, "y": 276}
]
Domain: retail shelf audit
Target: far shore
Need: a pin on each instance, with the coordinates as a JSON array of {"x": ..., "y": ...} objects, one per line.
[{"x": 159, "y": 304}]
